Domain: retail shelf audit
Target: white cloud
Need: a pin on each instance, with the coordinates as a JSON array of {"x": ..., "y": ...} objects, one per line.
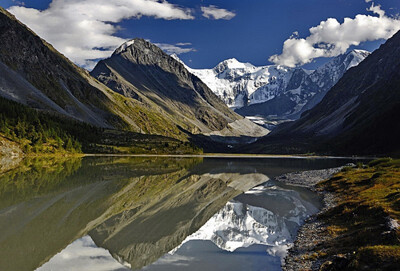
[
  {"x": 19, "y": 3},
  {"x": 213, "y": 12},
  {"x": 85, "y": 30},
  {"x": 83, "y": 254},
  {"x": 377, "y": 10},
  {"x": 177, "y": 49},
  {"x": 331, "y": 38},
  {"x": 184, "y": 44}
]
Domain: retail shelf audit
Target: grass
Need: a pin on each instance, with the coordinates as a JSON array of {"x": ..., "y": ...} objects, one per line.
[
  {"x": 147, "y": 117},
  {"x": 367, "y": 197},
  {"x": 377, "y": 258}
]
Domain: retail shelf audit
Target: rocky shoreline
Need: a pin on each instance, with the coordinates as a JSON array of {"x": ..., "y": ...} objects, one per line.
[
  {"x": 302, "y": 255},
  {"x": 308, "y": 178}
]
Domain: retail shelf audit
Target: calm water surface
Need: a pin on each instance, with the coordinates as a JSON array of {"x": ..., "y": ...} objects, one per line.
[{"x": 149, "y": 213}]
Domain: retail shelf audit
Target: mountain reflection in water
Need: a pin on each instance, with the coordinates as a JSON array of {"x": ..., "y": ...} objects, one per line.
[{"x": 154, "y": 213}]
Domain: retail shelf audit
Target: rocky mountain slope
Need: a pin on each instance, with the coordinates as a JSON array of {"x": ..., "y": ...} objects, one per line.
[
  {"x": 140, "y": 70},
  {"x": 169, "y": 102},
  {"x": 35, "y": 74},
  {"x": 275, "y": 90},
  {"x": 360, "y": 114}
]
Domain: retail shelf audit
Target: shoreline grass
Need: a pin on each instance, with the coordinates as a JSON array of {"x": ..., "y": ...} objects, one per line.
[{"x": 362, "y": 229}]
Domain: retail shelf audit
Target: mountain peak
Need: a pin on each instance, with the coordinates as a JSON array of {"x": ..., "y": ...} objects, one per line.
[
  {"x": 176, "y": 57},
  {"x": 137, "y": 44},
  {"x": 124, "y": 46},
  {"x": 359, "y": 52},
  {"x": 231, "y": 60},
  {"x": 231, "y": 63},
  {"x": 343, "y": 62},
  {"x": 143, "y": 52},
  {"x": 355, "y": 57}
]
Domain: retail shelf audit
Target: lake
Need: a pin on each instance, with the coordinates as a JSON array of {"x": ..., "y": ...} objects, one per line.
[{"x": 152, "y": 213}]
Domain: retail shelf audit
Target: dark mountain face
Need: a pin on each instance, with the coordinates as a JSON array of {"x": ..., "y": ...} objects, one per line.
[
  {"x": 142, "y": 71},
  {"x": 359, "y": 115},
  {"x": 325, "y": 77},
  {"x": 34, "y": 73}
]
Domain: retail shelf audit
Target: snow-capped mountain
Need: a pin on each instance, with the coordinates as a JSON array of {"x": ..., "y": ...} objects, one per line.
[
  {"x": 275, "y": 90},
  {"x": 234, "y": 82}
]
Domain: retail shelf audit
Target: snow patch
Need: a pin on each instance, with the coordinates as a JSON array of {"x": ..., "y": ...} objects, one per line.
[{"x": 124, "y": 46}]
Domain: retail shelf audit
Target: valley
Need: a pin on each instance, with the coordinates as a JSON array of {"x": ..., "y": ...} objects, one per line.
[{"x": 141, "y": 96}]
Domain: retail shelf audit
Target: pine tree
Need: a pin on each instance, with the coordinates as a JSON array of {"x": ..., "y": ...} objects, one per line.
[{"x": 69, "y": 146}]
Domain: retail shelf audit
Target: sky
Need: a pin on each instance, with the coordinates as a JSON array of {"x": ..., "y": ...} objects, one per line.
[{"x": 206, "y": 32}]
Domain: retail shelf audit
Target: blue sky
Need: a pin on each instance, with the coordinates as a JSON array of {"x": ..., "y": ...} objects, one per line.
[{"x": 257, "y": 30}]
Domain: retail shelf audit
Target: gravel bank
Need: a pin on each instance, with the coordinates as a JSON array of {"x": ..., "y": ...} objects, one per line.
[
  {"x": 308, "y": 178},
  {"x": 302, "y": 255}
]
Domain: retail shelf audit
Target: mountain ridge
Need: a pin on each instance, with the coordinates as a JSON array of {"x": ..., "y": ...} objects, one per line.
[{"x": 258, "y": 91}]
